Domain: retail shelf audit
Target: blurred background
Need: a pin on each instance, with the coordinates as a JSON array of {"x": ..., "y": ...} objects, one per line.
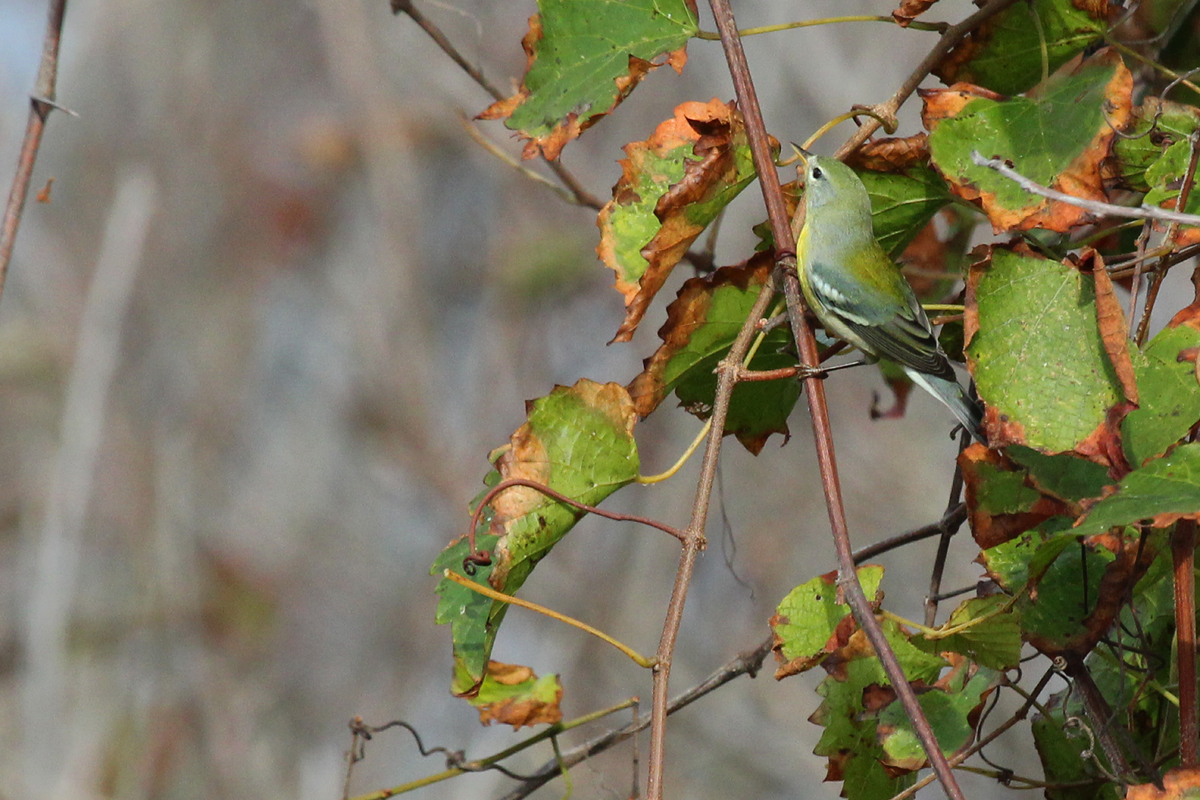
[{"x": 254, "y": 352}]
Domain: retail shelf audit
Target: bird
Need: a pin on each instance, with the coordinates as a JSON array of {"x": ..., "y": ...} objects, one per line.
[{"x": 858, "y": 292}]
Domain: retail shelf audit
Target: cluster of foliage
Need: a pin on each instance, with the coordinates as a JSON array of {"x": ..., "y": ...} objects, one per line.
[{"x": 1090, "y": 465}]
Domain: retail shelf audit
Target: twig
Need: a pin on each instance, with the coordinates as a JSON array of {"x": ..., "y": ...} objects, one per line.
[
  {"x": 501, "y": 597},
  {"x": 1160, "y": 270},
  {"x": 950, "y": 38},
  {"x": 1095, "y": 206},
  {"x": 42, "y": 101},
  {"x": 582, "y": 196},
  {"x": 562, "y": 498},
  {"x": 818, "y": 409},
  {"x": 939, "y": 560},
  {"x": 1183, "y": 551},
  {"x": 1136, "y": 282},
  {"x": 953, "y": 519},
  {"x": 744, "y": 664}
]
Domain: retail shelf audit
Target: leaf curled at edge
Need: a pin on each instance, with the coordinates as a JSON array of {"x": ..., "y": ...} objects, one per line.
[
  {"x": 671, "y": 187},
  {"x": 910, "y": 10},
  {"x": 585, "y": 57},
  {"x": 514, "y": 695}
]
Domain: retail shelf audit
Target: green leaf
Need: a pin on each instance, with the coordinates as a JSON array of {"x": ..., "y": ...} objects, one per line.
[
  {"x": 578, "y": 441},
  {"x": 903, "y": 203},
  {"x": 1064, "y": 476},
  {"x": 1005, "y": 53},
  {"x": 948, "y": 710},
  {"x": 473, "y": 618},
  {"x": 1058, "y": 139},
  {"x": 1141, "y": 151},
  {"x": 1164, "y": 490},
  {"x": 993, "y": 642},
  {"x": 582, "y": 63},
  {"x": 849, "y": 740},
  {"x": 1168, "y": 393},
  {"x": 1036, "y": 354},
  {"x": 807, "y": 619},
  {"x": 702, "y": 323}
]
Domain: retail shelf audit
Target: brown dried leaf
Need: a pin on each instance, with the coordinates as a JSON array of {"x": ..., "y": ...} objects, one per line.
[
  {"x": 910, "y": 10},
  {"x": 1180, "y": 783},
  {"x": 891, "y": 155}
]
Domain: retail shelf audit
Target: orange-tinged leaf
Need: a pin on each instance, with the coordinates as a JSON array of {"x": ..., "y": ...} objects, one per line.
[
  {"x": 672, "y": 186},
  {"x": 1181, "y": 783},
  {"x": 514, "y": 695},
  {"x": 891, "y": 155},
  {"x": 1001, "y": 503},
  {"x": 1058, "y": 136},
  {"x": 1110, "y": 317}
]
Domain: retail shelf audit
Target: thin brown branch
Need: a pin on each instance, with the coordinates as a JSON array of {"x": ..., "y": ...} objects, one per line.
[
  {"x": 562, "y": 498},
  {"x": 939, "y": 560},
  {"x": 818, "y": 410},
  {"x": 582, "y": 196},
  {"x": 748, "y": 663},
  {"x": 952, "y": 36},
  {"x": 952, "y": 520},
  {"x": 41, "y": 103},
  {"x": 1183, "y": 552}
]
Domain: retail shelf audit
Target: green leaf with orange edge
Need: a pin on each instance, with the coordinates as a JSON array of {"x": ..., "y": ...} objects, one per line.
[
  {"x": 578, "y": 441},
  {"x": 1004, "y": 54},
  {"x": 1057, "y": 137},
  {"x": 1002, "y": 500},
  {"x": 1038, "y": 355},
  {"x": 702, "y": 323},
  {"x": 813, "y": 621},
  {"x": 514, "y": 695},
  {"x": 950, "y": 707},
  {"x": 1170, "y": 395},
  {"x": 672, "y": 186},
  {"x": 585, "y": 57},
  {"x": 1162, "y": 491},
  {"x": 992, "y": 641}
]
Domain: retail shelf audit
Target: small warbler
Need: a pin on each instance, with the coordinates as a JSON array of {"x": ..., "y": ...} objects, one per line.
[{"x": 857, "y": 291}]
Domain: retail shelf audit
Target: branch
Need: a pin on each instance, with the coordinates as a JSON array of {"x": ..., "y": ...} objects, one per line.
[
  {"x": 42, "y": 101},
  {"x": 949, "y": 40},
  {"x": 744, "y": 664},
  {"x": 818, "y": 410},
  {"x": 582, "y": 196},
  {"x": 1095, "y": 206}
]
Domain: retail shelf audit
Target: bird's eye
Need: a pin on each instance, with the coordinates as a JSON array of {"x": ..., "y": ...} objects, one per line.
[{"x": 816, "y": 173}]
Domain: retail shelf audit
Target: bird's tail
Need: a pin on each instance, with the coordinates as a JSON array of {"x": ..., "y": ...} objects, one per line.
[{"x": 968, "y": 412}]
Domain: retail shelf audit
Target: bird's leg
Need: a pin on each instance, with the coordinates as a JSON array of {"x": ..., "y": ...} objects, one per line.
[{"x": 803, "y": 372}]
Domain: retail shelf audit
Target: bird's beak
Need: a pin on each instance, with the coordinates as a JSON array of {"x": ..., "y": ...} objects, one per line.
[{"x": 801, "y": 152}]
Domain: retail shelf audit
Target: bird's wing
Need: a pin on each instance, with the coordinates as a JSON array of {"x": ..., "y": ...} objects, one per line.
[{"x": 883, "y": 314}]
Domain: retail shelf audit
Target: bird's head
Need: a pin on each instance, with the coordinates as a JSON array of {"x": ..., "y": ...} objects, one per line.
[{"x": 830, "y": 184}]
